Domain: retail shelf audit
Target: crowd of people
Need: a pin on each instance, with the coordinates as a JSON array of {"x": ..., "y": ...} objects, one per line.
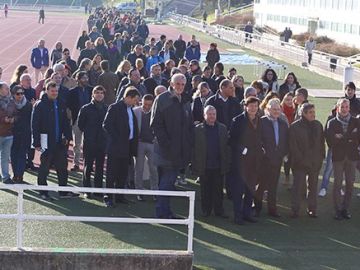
[{"x": 129, "y": 98}]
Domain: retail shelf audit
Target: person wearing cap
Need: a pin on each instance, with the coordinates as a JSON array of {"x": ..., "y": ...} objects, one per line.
[
  {"x": 301, "y": 97},
  {"x": 307, "y": 151},
  {"x": 246, "y": 157},
  {"x": 213, "y": 55}
]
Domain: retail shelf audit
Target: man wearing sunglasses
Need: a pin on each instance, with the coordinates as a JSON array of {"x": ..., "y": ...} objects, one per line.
[{"x": 68, "y": 61}]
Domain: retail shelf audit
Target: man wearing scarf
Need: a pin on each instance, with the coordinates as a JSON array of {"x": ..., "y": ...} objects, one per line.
[
  {"x": 307, "y": 151},
  {"x": 247, "y": 153},
  {"x": 343, "y": 137},
  {"x": 90, "y": 119}
]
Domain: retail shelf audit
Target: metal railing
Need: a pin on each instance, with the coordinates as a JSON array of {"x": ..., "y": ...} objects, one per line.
[
  {"x": 20, "y": 216},
  {"x": 235, "y": 10},
  {"x": 273, "y": 47}
]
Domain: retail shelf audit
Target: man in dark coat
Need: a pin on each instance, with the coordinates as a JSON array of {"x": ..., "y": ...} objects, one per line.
[
  {"x": 143, "y": 30},
  {"x": 307, "y": 151},
  {"x": 68, "y": 61},
  {"x": 342, "y": 136},
  {"x": 180, "y": 47},
  {"x": 110, "y": 81},
  {"x": 135, "y": 81},
  {"x": 171, "y": 120},
  {"x": 247, "y": 154},
  {"x": 90, "y": 120},
  {"x": 350, "y": 90},
  {"x": 88, "y": 52},
  {"x": 137, "y": 53},
  {"x": 210, "y": 161},
  {"x": 154, "y": 80},
  {"x": 51, "y": 133},
  {"x": 122, "y": 132},
  {"x": 274, "y": 137},
  {"x": 78, "y": 97},
  {"x": 206, "y": 77}
]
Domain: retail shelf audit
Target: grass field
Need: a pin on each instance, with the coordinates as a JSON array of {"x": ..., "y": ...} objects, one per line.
[{"x": 283, "y": 243}]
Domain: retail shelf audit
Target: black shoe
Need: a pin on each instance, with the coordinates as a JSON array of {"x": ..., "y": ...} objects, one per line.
[
  {"x": 68, "y": 195},
  {"x": 345, "y": 214},
  {"x": 250, "y": 219},
  {"x": 140, "y": 198},
  {"x": 32, "y": 168},
  {"x": 9, "y": 182},
  {"x": 338, "y": 215},
  {"x": 75, "y": 168}
]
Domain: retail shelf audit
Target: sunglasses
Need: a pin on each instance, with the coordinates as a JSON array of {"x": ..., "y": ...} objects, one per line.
[{"x": 19, "y": 93}]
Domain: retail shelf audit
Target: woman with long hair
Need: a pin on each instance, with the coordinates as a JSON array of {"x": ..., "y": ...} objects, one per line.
[
  {"x": 81, "y": 41},
  {"x": 56, "y": 53},
  {"x": 101, "y": 48},
  {"x": 238, "y": 82},
  {"x": 270, "y": 77},
  {"x": 289, "y": 86},
  {"x": 95, "y": 69},
  {"x": 123, "y": 69},
  {"x": 15, "y": 79},
  {"x": 202, "y": 93},
  {"x": 85, "y": 65}
]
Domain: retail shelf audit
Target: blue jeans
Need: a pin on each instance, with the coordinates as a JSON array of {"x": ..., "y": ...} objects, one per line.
[
  {"x": 5, "y": 147},
  {"x": 167, "y": 179},
  {"x": 18, "y": 156},
  {"x": 328, "y": 171}
]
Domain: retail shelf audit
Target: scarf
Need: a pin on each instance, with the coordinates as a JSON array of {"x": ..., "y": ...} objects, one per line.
[
  {"x": 19, "y": 105},
  {"x": 344, "y": 121},
  {"x": 4, "y": 101}
]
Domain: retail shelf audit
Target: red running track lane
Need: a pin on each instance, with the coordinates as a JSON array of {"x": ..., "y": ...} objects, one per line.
[{"x": 20, "y": 32}]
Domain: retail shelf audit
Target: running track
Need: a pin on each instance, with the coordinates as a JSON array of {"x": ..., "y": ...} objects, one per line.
[{"x": 20, "y": 32}]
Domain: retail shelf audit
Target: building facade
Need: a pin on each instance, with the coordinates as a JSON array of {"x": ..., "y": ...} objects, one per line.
[{"x": 337, "y": 19}]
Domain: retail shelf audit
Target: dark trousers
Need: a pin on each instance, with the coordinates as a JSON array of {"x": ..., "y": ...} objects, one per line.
[
  {"x": 287, "y": 165},
  {"x": 269, "y": 180},
  {"x": 167, "y": 178},
  {"x": 309, "y": 58},
  {"x": 211, "y": 186},
  {"x": 30, "y": 157},
  {"x": 92, "y": 154},
  {"x": 56, "y": 157},
  {"x": 116, "y": 173},
  {"x": 18, "y": 157},
  {"x": 299, "y": 184}
]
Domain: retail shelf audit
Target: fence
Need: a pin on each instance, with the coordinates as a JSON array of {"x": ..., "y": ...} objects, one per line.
[
  {"x": 20, "y": 217},
  {"x": 273, "y": 47}
]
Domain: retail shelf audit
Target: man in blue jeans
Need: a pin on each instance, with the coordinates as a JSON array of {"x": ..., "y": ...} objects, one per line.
[{"x": 171, "y": 120}]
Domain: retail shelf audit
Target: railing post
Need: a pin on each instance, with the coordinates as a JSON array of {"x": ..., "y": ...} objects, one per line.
[
  {"x": 191, "y": 222},
  {"x": 19, "y": 225}
]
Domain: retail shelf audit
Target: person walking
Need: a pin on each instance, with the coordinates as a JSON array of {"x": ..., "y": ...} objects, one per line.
[
  {"x": 110, "y": 81},
  {"x": 173, "y": 140},
  {"x": 40, "y": 59},
  {"x": 309, "y": 47},
  {"x": 42, "y": 15}
]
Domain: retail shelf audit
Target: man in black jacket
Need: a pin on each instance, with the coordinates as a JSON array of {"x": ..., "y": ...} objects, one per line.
[
  {"x": 90, "y": 119},
  {"x": 307, "y": 151},
  {"x": 171, "y": 120},
  {"x": 274, "y": 137},
  {"x": 206, "y": 77},
  {"x": 68, "y": 61},
  {"x": 154, "y": 80},
  {"x": 350, "y": 90},
  {"x": 180, "y": 47},
  {"x": 51, "y": 133},
  {"x": 135, "y": 81},
  {"x": 247, "y": 154},
  {"x": 78, "y": 97},
  {"x": 137, "y": 53},
  {"x": 342, "y": 136},
  {"x": 122, "y": 132}
]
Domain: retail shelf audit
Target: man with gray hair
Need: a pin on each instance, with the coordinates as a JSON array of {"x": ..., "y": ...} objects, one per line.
[
  {"x": 40, "y": 59},
  {"x": 172, "y": 122},
  {"x": 342, "y": 136},
  {"x": 67, "y": 81},
  {"x": 210, "y": 161}
]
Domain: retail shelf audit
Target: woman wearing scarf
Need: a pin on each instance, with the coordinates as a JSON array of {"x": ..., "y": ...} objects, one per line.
[
  {"x": 22, "y": 133},
  {"x": 7, "y": 117}
]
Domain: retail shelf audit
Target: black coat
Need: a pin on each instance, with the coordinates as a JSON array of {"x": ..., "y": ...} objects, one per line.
[
  {"x": 102, "y": 49},
  {"x": 43, "y": 122},
  {"x": 90, "y": 122},
  {"x": 72, "y": 101},
  {"x": 197, "y": 108},
  {"x": 180, "y": 47},
  {"x": 81, "y": 42},
  {"x": 212, "y": 84},
  {"x": 354, "y": 106},
  {"x": 132, "y": 58},
  {"x": 274, "y": 154},
  {"x": 151, "y": 84},
  {"x": 86, "y": 53},
  {"x": 212, "y": 57},
  {"x": 224, "y": 116},
  {"x": 284, "y": 89},
  {"x": 346, "y": 147},
  {"x": 172, "y": 123},
  {"x": 116, "y": 126},
  {"x": 22, "y": 126},
  {"x": 304, "y": 154}
]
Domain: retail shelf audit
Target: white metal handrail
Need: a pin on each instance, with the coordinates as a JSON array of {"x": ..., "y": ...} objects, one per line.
[{"x": 20, "y": 217}]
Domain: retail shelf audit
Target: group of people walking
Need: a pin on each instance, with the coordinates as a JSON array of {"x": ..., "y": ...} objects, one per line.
[{"x": 156, "y": 103}]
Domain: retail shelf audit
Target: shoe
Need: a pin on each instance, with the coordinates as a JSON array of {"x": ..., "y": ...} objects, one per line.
[
  {"x": 342, "y": 192},
  {"x": 274, "y": 214},
  {"x": 322, "y": 192},
  {"x": 197, "y": 181},
  {"x": 222, "y": 215},
  {"x": 250, "y": 219},
  {"x": 345, "y": 214},
  {"x": 68, "y": 195},
  {"x": 311, "y": 214},
  {"x": 75, "y": 168},
  {"x": 8, "y": 182},
  {"x": 294, "y": 214},
  {"x": 108, "y": 203},
  {"x": 140, "y": 198},
  {"x": 338, "y": 215}
]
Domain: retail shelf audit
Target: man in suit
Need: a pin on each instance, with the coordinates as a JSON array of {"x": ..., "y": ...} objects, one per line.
[
  {"x": 40, "y": 59},
  {"x": 307, "y": 151},
  {"x": 210, "y": 161},
  {"x": 342, "y": 136},
  {"x": 246, "y": 157},
  {"x": 122, "y": 132},
  {"x": 110, "y": 81},
  {"x": 90, "y": 119},
  {"x": 78, "y": 97},
  {"x": 274, "y": 137},
  {"x": 51, "y": 133},
  {"x": 171, "y": 120},
  {"x": 146, "y": 145}
]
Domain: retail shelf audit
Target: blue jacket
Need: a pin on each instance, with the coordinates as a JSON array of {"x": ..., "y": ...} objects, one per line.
[
  {"x": 191, "y": 55},
  {"x": 152, "y": 60},
  {"x": 37, "y": 61}
]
